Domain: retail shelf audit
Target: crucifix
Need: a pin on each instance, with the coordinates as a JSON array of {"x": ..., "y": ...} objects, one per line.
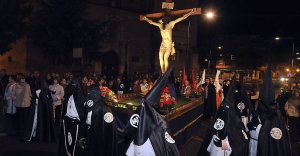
[{"x": 166, "y": 25}]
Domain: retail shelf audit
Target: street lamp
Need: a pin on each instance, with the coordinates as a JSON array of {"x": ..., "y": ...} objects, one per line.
[
  {"x": 210, "y": 15},
  {"x": 220, "y": 48},
  {"x": 277, "y": 38}
]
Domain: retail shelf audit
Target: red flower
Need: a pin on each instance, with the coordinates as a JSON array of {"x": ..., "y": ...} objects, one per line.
[
  {"x": 166, "y": 98},
  {"x": 166, "y": 90}
]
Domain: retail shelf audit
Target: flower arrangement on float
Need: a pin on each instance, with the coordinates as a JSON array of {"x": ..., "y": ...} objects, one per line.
[
  {"x": 199, "y": 91},
  {"x": 166, "y": 100},
  {"x": 109, "y": 95}
]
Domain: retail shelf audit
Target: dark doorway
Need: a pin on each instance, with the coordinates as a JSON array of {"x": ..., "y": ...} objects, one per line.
[{"x": 110, "y": 64}]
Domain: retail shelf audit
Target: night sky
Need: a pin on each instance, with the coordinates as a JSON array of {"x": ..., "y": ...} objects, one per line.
[{"x": 259, "y": 17}]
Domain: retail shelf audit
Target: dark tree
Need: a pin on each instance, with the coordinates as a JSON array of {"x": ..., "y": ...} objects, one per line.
[
  {"x": 13, "y": 21},
  {"x": 58, "y": 26}
]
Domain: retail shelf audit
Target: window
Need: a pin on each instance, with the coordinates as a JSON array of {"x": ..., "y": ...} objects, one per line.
[
  {"x": 9, "y": 59},
  {"x": 135, "y": 59}
]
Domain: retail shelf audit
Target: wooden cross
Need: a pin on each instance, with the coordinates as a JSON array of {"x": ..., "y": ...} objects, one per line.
[{"x": 168, "y": 5}]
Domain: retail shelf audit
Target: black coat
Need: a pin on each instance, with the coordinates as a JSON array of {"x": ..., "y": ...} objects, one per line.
[
  {"x": 152, "y": 125},
  {"x": 77, "y": 127},
  {"x": 102, "y": 132},
  {"x": 273, "y": 136},
  {"x": 233, "y": 129},
  {"x": 210, "y": 107},
  {"x": 227, "y": 123},
  {"x": 45, "y": 128}
]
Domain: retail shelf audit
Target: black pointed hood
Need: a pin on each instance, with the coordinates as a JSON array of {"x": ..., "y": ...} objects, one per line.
[
  {"x": 232, "y": 128},
  {"x": 236, "y": 132},
  {"x": 230, "y": 97},
  {"x": 76, "y": 89},
  {"x": 267, "y": 93},
  {"x": 243, "y": 94},
  {"x": 154, "y": 94},
  {"x": 149, "y": 117},
  {"x": 273, "y": 136},
  {"x": 228, "y": 103}
]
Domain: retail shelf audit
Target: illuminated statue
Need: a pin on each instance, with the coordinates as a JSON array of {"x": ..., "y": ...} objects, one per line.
[{"x": 167, "y": 45}]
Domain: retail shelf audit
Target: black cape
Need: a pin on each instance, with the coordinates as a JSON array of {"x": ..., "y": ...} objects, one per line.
[
  {"x": 273, "y": 137},
  {"x": 152, "y": 124},
  {"x": 233, "y": 127},
  {"x": 101, "y": 131},
  {"x": 126, "y": 135},
  {"x": 77, "y": 128},
  {"x": 242, "y": 102},
  {"x": 78, "y": 91},
  {"x": 44, "y": 128},
  {"x": 210, "y": 106}
]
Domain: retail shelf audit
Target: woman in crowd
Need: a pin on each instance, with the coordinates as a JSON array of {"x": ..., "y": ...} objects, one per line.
[
  {"x": 144, "y": 86},
  {"x": 136, "y": 87},
  {"x": 187, "y": 89},
  {"x": 11, "y": 109},
  {"x": 57, "y": 94},
  {"x": 292, "y": 108},
  {"x": 102, "y": 82},
  {"x": 21, "y": 95},
  {"x": 64, "y": 82}
]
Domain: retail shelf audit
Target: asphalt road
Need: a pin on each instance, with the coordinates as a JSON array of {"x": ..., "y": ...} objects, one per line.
[{"x": 11, "y": 145}]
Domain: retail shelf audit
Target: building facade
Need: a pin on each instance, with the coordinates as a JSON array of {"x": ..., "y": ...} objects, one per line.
[{"x": 131, "y": 46}]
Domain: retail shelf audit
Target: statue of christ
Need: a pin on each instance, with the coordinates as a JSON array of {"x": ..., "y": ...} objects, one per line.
[{"x": 167, "y": 45}]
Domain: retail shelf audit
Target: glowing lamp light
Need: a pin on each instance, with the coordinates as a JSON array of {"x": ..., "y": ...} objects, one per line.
[
  {"x": 297, "y": 53},
  {"x": 298, "y": 58},
  {"x": 277, "y": 38},
  {"x": 298, "y": 70},
  {"x": 210, "y": 15},
  {"x": 283, "y": 79},
  {"x": 287, "y": 69}
]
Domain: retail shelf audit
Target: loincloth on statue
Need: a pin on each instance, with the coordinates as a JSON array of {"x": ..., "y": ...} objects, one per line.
[{"x": 164, "y": 46}]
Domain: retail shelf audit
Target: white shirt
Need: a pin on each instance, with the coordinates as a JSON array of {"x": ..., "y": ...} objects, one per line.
[
  {"x": 144, "y": 150},
  {"x": 71, "y": 109},
  {"x": 218, "y": 151},
  {"x": 254, "y": 141},
  {"x": 89, "y": 118},
  {"x": 59, "y": 94},
  {"x": 144, "y": 87}
]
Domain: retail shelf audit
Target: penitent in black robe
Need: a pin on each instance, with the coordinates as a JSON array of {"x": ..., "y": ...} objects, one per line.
[
  {"x": 273, "y": 137},
  {"x": 152, "y": 137},
  {"x": 227, "y": 134},
  {"x": 101, "y": 126},
  {"x": 210, "y": 107},
  {"x": 243, "y": 104},
  {"x": 73, "y": 131},
  {"x": 40, "y": 122}
]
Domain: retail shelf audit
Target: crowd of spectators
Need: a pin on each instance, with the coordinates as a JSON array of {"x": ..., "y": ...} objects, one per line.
[{"x": 17, "y": 90}]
